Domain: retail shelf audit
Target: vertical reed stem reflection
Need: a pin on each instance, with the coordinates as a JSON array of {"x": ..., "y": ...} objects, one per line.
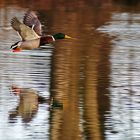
[{"x": 76, "y": 83}]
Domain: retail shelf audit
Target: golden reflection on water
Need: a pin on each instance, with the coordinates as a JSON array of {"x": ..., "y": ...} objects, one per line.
[{"x": 75, "y": 70}]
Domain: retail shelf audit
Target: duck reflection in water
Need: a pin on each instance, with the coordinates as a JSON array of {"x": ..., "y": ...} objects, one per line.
[{"x": 28, "y": 103}]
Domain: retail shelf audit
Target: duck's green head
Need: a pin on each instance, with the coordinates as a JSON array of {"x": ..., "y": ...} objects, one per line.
[{"x": 61, "y": 36}]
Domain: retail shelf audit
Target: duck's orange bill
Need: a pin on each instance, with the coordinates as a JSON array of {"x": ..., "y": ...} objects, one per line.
[
  {"x": 68, "y": 37},
  {"x": 16, "y": 50}
]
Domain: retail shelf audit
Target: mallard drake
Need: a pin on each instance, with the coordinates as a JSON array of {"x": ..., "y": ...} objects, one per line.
[{"x": 30, "y": 32}]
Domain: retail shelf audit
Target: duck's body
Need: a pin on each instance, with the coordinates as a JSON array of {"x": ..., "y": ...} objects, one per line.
[
  {"x": 31, "y": 33},
  {"x": 26, "y": 45}
]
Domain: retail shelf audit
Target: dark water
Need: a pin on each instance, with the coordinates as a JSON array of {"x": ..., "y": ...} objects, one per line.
[{"x": 93, "y": 80}]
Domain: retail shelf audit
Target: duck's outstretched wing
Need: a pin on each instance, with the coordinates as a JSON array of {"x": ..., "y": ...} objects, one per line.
[
  {"x": 30, "y": 19},
  {"x": 24, "y": 31}
]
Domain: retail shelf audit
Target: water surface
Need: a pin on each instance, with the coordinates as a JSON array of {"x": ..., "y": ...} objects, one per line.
[{"x": 93, "y": 80}]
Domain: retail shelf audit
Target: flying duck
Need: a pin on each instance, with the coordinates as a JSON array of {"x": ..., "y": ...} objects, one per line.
[{"x": 31, "y": 34}]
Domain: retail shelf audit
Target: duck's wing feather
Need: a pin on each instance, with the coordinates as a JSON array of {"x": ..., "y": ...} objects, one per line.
[
  {"x": 30, "y": 19},
  {"x": 24, "y": 31},
  {"x": 30, "y": 44}
]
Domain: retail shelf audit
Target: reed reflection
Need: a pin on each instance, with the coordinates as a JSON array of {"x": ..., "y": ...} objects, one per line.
[{"x": 76, "y": 66}]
